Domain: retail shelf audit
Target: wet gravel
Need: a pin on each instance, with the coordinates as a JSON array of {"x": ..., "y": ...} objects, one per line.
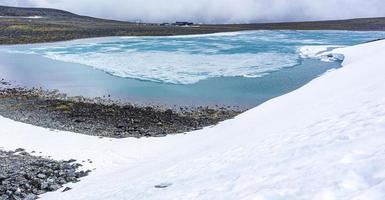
[
  {"x": 24, "y": 176},
  {"x": 96, "y": 117}
]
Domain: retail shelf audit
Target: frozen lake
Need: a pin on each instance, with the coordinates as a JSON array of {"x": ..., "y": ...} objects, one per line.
[{"x": 235, "y": 69}]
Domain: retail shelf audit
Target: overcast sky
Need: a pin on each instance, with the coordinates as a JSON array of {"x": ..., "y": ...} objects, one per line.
[{"x": 214, "y": 11}]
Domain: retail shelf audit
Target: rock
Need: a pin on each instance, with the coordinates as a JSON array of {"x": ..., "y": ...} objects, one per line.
[
  {"x": 38, "y": 192},
  {"x": 168, "y": 112},
  {"x": 41, "y": 176},
  {"x": 19, "y": 150},
  {"x": 15, "y": 197},
  {"x": 43, "y": 185},
  {"x": 160, "y": 135},
  {"x": 79, "y": 120},
  {"x": 30, "y": 197},
  {"x": 82, "y": 174},
  {"x": 61, "y": 181},
  {"x": 54, "y": 187},
  {"x": 2, "y": 177},
  {"x": 163, "y": 185},
  {"x": 18, "y": 191},
  {"x": 66, "y": 189},
  {"x": 120, "y": 126},
  {"x": 23, "y": 176}
]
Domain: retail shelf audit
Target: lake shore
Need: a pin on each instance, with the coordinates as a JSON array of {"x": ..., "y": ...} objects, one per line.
[
  {"x": 310, "y": 142},
  {"x": 104, "y": 117}
]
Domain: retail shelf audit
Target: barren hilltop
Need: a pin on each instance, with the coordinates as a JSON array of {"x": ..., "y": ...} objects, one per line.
[{"x": 33, "y": 25}]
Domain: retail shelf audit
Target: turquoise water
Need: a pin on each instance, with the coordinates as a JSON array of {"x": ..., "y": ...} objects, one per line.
[{"x": 237, "y": 69}]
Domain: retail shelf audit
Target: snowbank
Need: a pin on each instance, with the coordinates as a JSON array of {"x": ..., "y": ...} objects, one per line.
[{"x": 325, "y": 141}]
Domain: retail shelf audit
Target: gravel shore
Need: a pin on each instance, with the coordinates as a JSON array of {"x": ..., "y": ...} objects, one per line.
[
  {"x": 24, "y": 176},
  {"x": 104, "y": 118}
]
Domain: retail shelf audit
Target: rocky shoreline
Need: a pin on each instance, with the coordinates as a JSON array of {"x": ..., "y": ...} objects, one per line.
[
  {"x": 24, "y": 176},
  {"x": 101, "y": 117}
]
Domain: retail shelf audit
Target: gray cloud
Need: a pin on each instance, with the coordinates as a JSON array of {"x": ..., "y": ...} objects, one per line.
[{"x": 215, "y": 11}]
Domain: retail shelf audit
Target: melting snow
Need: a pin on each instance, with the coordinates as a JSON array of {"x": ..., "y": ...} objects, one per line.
[{"x": 325, "y": 141}]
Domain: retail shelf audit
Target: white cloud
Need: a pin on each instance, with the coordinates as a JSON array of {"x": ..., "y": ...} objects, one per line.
[{"x": 215, "y": 11}]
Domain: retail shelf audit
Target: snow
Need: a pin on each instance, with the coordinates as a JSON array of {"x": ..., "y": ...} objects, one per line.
[
  {"x": 23, "y": 17},
  {"x": 316, "y": 51},
  {"x": 324, "y": 141}
]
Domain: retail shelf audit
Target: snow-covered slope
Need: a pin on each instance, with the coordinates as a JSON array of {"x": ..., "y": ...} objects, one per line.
[{"x": 324, "y": 141}]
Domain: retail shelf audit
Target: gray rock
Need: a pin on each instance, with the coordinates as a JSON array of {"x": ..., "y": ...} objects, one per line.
[
  {"x": 41, "y": 176},
  {"x": 19, "y": 150},
  {"x": 30, "y": 197},
  {"x": 43, "y": 185},
  {"x": 54, "y": 187},
  {"x": 3, "y": 197},
  {"x": 23, "y": 176},
  {"x": 163, "y": 185}
]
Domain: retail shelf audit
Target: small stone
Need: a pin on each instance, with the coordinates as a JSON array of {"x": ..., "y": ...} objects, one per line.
[
  {"x": 79, "y": 120},
  {"x": 15, "y": 197},
  {"x": 30, "y": 197},
  {"x": 19, "y": 150},
  {"x": 120, "y": 126},
  {"x": 168, "y": 112},
  {"x": 24, "y": 153},
  {"x": 54, "y": 187},
  {"x": 18, "y": 191},
  {"x": 71, "y": 161},
  {"x": 66, "y": 189},
  {"x": 38, "y": 192},
  {"x": 163, "y": 185},
  {"x": 2, "y": 177},
  {"x": 50, "y": 181},
  {"x": 4, "y": 197},
  {"x": 61, "y": 181},
  {"x": 41, "y": 176},
  {"x": 43, "y": 185}
]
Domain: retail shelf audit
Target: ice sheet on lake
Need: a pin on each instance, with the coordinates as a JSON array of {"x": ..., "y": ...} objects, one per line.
[
  {"x": 181, "y": 68},
  {"x": 192, "y": 58}
]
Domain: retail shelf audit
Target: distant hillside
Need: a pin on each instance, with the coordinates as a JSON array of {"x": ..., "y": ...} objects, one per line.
[
  {"x": 363, "y": 24},
  {"x": 56, "y": 25},
  {"x": 14, "y": 11}
]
